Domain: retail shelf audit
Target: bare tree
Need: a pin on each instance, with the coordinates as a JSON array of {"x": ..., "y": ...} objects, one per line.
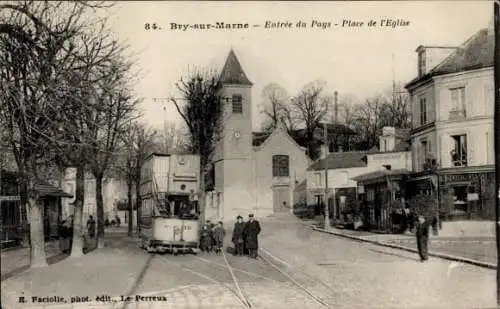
[
  {"x": 37, "y": 51},
  {"x": 308, "y": 110},
  {"x": 276, "y": 107},
  {"x": 202, "y": 115},
  {"x": 136, "y": 144},
  {"x": 174, "y": 140}
]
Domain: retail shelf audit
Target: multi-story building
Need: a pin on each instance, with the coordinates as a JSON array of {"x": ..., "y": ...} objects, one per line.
[{"x": 452, "y": 137}]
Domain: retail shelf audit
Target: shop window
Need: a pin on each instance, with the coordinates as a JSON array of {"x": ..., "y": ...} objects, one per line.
[
  {"x": 459, "y": 152},
  {"x": 370, "y": 195},
  {"x": 460, "y": 198}
]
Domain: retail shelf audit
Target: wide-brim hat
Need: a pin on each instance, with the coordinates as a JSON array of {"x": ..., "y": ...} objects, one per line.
[{"x": 250, "y": 215}]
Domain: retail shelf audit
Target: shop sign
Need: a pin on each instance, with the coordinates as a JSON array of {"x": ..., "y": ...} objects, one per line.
[{"x": 460, "y": 177}]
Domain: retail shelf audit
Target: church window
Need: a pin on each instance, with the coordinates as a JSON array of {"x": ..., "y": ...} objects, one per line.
[
  {"x": 237, "y": 104},
  {"x": 281, "y": 166}
]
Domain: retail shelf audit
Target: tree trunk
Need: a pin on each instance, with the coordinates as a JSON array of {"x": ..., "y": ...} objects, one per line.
[
  {"x": 37, "y": 241},
  {"x": 138, "y": 202},
  {"x": 100, "y": 210},
  {"x": 77, "y": 246},
  {"x": 201, "y": 196},
  {"x": 130, "y": 208}
]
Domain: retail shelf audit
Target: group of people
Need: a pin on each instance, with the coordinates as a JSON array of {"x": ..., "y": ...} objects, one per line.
[
  {"x": 244, "y": 238},
  {"x": 212, "y": 237}
]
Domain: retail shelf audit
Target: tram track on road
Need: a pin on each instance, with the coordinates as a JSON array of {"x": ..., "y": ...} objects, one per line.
[{"x": 238, "y": 288}]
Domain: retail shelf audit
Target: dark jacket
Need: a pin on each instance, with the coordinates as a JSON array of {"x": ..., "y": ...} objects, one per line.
[
  {"x": 423, "y": 229},
  {"x": 219, "y": 233},
  {"x": 238, "y": 232},
  {"x": 251, "y": 232}
]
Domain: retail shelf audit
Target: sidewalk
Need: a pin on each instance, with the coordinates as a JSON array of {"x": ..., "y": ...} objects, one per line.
[
  {"x": 87, "y": 275},
  {"x": 479, "y": 251},
  {"x": 16, "y": 260}
]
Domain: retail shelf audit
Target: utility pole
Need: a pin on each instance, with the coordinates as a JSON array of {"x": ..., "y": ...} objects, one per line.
[
  {"x": 336, "y": 115},
  {"x": 496, "y": 12},
  {"x": 325, "y": 161},
  {"x": 165, "y": 128}
]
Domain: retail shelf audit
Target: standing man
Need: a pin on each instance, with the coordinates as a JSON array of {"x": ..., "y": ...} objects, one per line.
[
  {"x": 91, "y": 226},
  {"x": 422, "y": 237},
  {"x": 251, "y": 232},
  {"x": 237, "y": 238}
]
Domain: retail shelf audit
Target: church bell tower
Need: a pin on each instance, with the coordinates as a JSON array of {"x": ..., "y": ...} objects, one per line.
[{"x": 233, "y": 160}]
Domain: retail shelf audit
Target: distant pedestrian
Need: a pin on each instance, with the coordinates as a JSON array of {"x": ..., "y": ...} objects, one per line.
[
  {"x": 237, "y": 238},
  {"x": 219, "y": 233},
  {"x": 422, "y": 238},
  {"x": 118, "y": 221},
  {"x": 206, "y": 237},
  {"x": 251, "y": 233},
  {"x": 91, "y": 226}
]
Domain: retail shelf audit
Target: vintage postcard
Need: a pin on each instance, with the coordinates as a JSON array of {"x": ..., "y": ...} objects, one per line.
[{"x": 258, "y": 154}]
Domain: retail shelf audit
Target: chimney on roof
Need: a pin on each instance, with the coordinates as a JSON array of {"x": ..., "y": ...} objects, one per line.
[
  {"x": 388, "y": 139},
  {"x": 431, "y": 56}
]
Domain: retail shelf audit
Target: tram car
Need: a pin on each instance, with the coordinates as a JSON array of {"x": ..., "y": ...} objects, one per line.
[{"x": 169, "y": 207}]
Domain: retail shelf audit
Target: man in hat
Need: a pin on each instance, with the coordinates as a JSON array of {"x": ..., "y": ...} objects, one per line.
[
  {"x": 251, "y": 232},
  {"x": 237, "y": 238},
  {"x": 422, "y": 237}
]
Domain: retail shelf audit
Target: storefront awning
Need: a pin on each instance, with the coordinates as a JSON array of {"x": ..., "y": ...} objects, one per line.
[
  {"x": 45, "y": 189},
  {"x": 382, "y": 174}
]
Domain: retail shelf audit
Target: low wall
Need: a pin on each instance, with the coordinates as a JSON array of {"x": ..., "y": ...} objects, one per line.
[{"x": 468, "y": 229}]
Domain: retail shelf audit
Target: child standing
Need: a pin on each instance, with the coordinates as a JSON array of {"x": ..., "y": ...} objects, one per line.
[{"x": 219, "y": 233}]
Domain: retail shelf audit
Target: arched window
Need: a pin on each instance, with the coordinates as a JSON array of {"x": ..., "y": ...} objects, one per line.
[{"x": 281, "y": 166}]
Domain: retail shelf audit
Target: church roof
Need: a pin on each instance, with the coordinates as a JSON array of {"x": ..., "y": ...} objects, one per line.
[
  {"x": 338, "y": 160},
  {"x": 475, "y": 53},
  {"x": 233, "y": 73}
]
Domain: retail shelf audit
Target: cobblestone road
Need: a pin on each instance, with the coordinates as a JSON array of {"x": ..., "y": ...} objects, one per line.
[{"x": 343, "y": 273}]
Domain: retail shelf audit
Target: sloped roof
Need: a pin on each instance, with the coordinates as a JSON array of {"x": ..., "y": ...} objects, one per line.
[
  {"x": 475, "y": 53},
  {"x": 298, "y": 135},
  {"x": 379, "y": 174},
  {"x": 338, "y": 160},
  {"x": 301, "y": 186},
  {"x": 233, "y": 73}
]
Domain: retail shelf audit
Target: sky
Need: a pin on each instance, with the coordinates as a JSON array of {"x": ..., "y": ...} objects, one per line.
[{"x": 355, "y": 61}]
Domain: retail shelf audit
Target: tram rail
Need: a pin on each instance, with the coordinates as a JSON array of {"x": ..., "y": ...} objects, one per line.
[{"x": 239, "y": 290}]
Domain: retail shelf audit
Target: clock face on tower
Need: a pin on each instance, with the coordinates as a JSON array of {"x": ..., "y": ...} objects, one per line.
[{"x": 237, "y": 134}]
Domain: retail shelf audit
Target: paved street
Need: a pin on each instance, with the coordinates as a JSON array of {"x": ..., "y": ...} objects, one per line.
[{"x": 341, "y": 272}]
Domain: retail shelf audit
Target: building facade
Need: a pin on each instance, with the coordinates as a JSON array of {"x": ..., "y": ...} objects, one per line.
[
  {"x": 113, "y": 191},
  {"x": 345, "y": 167},
  {"x": 452, "y": 137},
  {"x": 250, "y": 178}
]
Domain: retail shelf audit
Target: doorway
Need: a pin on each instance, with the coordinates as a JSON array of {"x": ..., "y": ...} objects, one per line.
[{"x": 281, "y": 198}]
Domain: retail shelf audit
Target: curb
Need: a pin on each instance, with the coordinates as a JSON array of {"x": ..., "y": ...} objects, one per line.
[{"x": 434, "y": 254}]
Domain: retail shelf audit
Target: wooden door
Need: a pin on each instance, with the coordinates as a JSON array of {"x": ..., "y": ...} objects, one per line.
[{"x": 281, "y": 198}]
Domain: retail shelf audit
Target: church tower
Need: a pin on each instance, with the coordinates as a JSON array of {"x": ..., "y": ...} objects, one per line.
[{"x": 233, "y": 160}]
